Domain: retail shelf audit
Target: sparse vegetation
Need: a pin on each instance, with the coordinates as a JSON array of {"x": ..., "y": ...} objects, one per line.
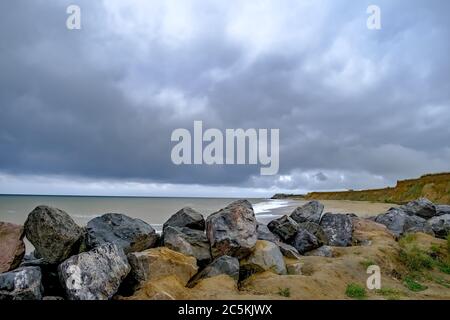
[
  {"x": 413, "y": 285},
  {"x": 284, "y": 292},
  {"x": 421, "y": 262},
  {"x": 407, "y": 239},
  {"x": 367, "y": 263},
  {"x": 355, "y": 291},
  {"x": 444, "y": 267},
  {"x": 418, "y": 260},
  {"x": 448, "y": 244},
  {"x": 415, "y": 259},
  {"x": 441, "y": 281}
]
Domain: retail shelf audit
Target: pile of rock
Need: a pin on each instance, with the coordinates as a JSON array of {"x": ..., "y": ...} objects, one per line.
[
  {"x": 69, "y": 261},
  {"x": 309, "y": 231},
  {"x": 115, "y": 255},
  {"x": 420, "y": 215}
]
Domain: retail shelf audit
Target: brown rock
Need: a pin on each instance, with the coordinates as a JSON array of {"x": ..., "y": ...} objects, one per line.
[
  {"x": 12, "y": 247},
  {"x": 265, "y": 257},
  {"x": 157, "y": 263}
]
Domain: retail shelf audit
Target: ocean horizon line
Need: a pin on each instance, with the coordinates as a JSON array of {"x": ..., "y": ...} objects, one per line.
[{"x": 121, "y": 196}]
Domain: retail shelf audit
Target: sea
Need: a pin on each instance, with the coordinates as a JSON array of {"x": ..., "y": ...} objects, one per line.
[{"x": 153, "y": 210}]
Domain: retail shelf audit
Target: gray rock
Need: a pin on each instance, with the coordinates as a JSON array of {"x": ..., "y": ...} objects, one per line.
[
  {"x": 399, "y": 223},
  {"x": 284, "y": 227},
  {"x": 189, "y": 242},
  {"x": 316, "y": 230},
  {"x": 94, "y": 275},
  {"x": 232, "y": 230},
  {"x": 394, "y": 220},
  {"x": 21, "y": 284},
  {"x": 440, "y": 225},
  {"x": 418, "y": 224},
  {"x": 266, "y": 257},
  {"x": 288, "y": 251},
  {"x": 311, "y": 211},
  {"x": 186, "y": 217},
  {"x": 421, "y": 207},
  {"x": 324, "y": 251},
  {"x": 442, "y": 209},
  {"x": 49, "y": 279},
  {"x": 53, "y": 233},
  {"x": 127, "y": 233},
  {"x": 305, "y": 241},
  {"x": 265, "y": 234},
  {"x": 221, "y": 265},
  {"x": 338, "y": 229}
]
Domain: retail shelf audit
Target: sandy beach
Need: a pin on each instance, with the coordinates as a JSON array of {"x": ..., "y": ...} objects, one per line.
[{"x": 360, "y": 208}]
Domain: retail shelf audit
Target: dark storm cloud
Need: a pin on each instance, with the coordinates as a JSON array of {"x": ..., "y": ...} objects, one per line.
[{"x": 355, "y": 108}]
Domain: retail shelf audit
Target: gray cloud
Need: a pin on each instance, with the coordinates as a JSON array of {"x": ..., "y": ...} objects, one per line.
[{"x": 361, "y": 108}]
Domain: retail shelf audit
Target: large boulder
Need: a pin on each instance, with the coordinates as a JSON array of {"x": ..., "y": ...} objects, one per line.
[
  {"x": 266, "y": 257},
  {"x": 440, "y": 225},
  {"x": 186, "y": 217},
  {"x": 154, "y": 264},
  {"x": 265, "y": 234},
  {"x": 53, "y": 233},
  {"x": 21, "y": 284},
  {"x": 316, "y": 230},
  {"x": 189, "y": 242},
  {"x": 288, "y": 251},
  {"x": 421, "y": 207},
  {"x": 94, "y": 275},
  {"x": 232, "y": 230},
  {"x": 12, "y": 247},
  {"x": 311, "y": 211},
  {"x": 338, "y": 229},
  {"x": 221, "y": 265},
  {"x": 442, "y": 209},
  {"x": 305, "y": 241},
  {"x": 127, "y": 233},
  {"x": 284, "y": 227},
  {"x": 399, "y": 223}
]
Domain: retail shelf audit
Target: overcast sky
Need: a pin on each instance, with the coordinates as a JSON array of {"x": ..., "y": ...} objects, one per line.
[{"x": 91, "y": 111}]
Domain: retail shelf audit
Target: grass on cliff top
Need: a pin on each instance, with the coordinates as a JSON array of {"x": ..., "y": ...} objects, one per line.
[{"x": 355, "y": 291}]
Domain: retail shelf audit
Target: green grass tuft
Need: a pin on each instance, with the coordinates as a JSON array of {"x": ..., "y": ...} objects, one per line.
[
  {"x": 415, "y": 259},
  {"x": 355, "y": 291},
  {"x": 407, "y": 239},
  {"x": 284, "y": 292},
  {"x": 413, "y": 285}
]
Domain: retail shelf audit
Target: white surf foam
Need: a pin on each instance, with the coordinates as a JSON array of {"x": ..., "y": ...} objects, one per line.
[{"x": 262, "y": 208}]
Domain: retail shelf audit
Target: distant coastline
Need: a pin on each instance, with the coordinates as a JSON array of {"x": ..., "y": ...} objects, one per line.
[{"x": 435, "y": 187}]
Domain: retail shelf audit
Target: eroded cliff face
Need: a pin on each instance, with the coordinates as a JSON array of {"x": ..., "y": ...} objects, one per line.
[{"x": 435, "y": 187}]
